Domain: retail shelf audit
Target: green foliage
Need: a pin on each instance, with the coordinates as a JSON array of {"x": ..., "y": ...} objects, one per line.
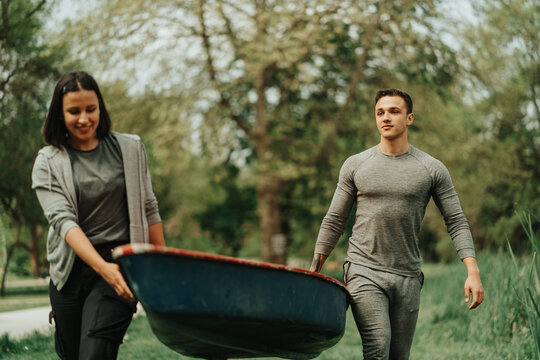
[
  {"x": 226, "y": 220},
  {"x": 28, "y": 69},
  {"x": 20, "y": 264},
  {"x": 285, "y": 86},
  {"x": 285, "y": 92},
  {"x": 502, "y": 55}
]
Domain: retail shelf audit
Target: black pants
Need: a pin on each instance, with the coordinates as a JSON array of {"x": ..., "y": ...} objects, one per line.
[{"x": 91, "y": 319}]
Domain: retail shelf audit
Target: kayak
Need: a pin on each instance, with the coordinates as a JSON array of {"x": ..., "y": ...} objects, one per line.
[{"x": 218, "y": 307}]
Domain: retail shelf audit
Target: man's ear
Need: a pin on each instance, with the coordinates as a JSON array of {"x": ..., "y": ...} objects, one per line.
[{"x": 410, "y": 119}]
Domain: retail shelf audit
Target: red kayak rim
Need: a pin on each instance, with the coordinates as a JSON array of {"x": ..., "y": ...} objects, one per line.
[{"x": 142, "y": 248}]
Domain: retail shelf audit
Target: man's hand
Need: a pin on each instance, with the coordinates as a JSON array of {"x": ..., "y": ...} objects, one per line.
[
  {"x": 473, "y": 284},
  {"x": 318, "y": 262}
]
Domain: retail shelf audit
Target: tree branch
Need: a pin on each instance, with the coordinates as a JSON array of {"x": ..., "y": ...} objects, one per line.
[
  {"x": 36, "y": 9},
  {"x": 357, "y": 75},
  {"x": 242, "y": 124},
  {"x": 534, "y": 97},
  {"x": 4, "y": 83},
  {"x": 233, "y": 38},
  {"x": 5, "y": 16},
  {"x": 5, "y": 19},
  {"x": 261, "y": 79},
  {"x": 237, "y": 8}
]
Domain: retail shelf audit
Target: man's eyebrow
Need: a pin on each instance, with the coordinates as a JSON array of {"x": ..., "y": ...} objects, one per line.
[{"x": 390, "y": 108}]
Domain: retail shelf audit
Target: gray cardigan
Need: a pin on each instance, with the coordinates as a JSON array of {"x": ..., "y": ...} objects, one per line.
[{"x": 53, "y": 181}]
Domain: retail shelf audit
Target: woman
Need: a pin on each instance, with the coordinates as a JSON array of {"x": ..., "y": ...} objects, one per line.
[{"x": 95, "y": 190}]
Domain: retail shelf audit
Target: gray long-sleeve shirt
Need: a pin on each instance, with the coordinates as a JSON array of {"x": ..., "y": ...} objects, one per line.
[{"x": 391, "y": 194}]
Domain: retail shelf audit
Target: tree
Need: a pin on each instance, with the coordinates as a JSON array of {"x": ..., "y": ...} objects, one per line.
[
  {"x": 27, "y": 69},
  {"x": 285, "y": 82},
  {"x": 227, "y": 217},
  {"x": 502, "y": 53}
]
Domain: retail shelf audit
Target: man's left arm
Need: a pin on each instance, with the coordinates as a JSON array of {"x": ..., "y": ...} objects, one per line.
[
  {"x": 473, "y": 284},
  {"x": 318, "y": 262},
  {"x": 446, "y": 199}
]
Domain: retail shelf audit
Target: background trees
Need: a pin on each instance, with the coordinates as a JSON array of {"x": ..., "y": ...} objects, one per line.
[
  {"x": 287, "y": 86},
  {"x": 503, "y": 58},
  {"x": 27, "y": 66},
  {"x": 248, "y": 108}
]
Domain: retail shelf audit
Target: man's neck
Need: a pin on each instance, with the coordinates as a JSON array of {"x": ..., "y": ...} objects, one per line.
[{"x": 396, "y": 147}]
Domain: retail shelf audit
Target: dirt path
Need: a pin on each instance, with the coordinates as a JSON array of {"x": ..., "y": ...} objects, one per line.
[{"x": 19, "y": 323}]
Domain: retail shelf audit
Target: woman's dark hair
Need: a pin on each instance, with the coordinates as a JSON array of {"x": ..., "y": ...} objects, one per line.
[
  {"x": 54, "y": 129},
  {"x": 395, "y": 92}
]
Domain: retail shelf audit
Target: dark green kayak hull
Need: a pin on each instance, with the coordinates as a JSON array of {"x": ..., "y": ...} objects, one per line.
[{"x": 216, "y": 307}]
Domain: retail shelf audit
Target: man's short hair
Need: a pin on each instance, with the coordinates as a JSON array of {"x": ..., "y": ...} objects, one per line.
[{"x": 395, "y": 92}]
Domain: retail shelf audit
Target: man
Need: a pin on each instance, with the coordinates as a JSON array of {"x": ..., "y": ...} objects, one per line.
[{"x": 391, "y": 185}]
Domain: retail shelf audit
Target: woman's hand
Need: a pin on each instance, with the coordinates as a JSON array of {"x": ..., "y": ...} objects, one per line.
[{"x": 110, "y": 272}]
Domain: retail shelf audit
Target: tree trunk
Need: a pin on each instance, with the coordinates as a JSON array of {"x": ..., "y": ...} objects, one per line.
[
  {"x": 8, "y": 254},
  {"x": 8, "y": 257},
  {"x": 34, "y": 249},
  {"x": 273, "y": 241}
]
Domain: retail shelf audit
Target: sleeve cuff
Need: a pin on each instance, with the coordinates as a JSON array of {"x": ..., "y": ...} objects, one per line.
[
  {"x": 323, "y": 249},
  {"x": 465, "y": 253},
  {"x": 66, "y": 227},
  {"x": 154, "y": 218}
]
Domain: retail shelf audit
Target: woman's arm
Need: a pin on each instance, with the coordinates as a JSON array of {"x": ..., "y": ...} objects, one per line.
[
  {"x": 110, "y": 272},
  {"x": 155, "y": 232}
]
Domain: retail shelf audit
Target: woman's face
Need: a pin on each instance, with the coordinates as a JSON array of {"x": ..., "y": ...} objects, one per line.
[{"x": 81, "y": 116}]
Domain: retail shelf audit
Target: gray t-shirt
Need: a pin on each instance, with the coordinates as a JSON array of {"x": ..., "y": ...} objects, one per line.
[
  {"x": 391, "y": 194},
  {"x": 100, "y": 188}
]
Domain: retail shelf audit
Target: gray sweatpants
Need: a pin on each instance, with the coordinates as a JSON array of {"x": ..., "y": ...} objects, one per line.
[{"x": 385, "y": 307}]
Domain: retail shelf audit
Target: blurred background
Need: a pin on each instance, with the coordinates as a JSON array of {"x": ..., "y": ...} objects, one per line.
[{"x": 248, "y": 108}]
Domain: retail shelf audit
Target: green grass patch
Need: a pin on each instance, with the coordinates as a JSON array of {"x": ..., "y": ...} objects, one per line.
[
  {"x": 24, "y": 297},
  {"x": 446, "y": 329},
  {"x": 496, "y": 330},
  {"x": 32, "y": 347}
]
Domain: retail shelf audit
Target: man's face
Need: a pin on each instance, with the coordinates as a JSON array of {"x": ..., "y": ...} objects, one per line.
[{"x": 392, "y": 118}]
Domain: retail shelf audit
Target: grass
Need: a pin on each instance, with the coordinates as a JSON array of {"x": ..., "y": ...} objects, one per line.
[
  {"x": 33, "y": 347},
  {"x": 24, "y": 297},
  {"x": 495, "y": 330},
  {"x": 24, "y": 293},
  {"x": 446, "y": 329}
]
